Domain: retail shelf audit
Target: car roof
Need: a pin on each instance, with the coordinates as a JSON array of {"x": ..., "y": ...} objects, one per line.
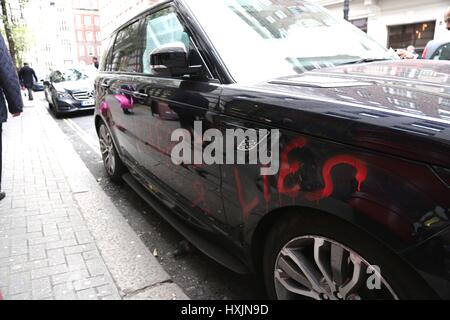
[{"x": 438, "y": 42}]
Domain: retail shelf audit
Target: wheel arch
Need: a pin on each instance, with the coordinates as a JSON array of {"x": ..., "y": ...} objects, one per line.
[
  {"x": 267, "y": 223},
  {"x": 356, "y": 219},
  {"x": 98, "y": 120}
]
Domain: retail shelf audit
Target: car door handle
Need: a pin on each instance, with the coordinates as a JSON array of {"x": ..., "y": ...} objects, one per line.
[{"x": 139, "y": 95}]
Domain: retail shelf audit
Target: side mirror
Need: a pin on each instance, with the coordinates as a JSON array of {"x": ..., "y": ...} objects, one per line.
[
  {"x": 172, "y": 60},
  {"x": 47, "y": 83}
]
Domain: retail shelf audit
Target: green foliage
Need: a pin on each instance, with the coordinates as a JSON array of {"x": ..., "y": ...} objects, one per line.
[
  {"x": 16, "y": 34},
  {"x": 20, "y": 36}
]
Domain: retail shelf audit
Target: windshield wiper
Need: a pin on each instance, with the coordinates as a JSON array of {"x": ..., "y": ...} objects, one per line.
[{"x": 365, "y": 60}]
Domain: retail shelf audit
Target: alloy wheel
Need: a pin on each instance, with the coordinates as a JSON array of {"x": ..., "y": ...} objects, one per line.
[
  {"x": 107, "y": 150},
  {"x": 317, "y": 268}
]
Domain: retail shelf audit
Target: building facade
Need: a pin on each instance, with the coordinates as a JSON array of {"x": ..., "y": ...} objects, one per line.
[
  {"x": 62, "y": 33},
  {"x": 51, "y": 36},
  {"x": 87, "y": 30},
  {"x": 396, "y": 23}
]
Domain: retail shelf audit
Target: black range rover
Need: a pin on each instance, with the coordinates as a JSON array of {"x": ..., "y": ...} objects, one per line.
[{"x": 355, "y": 203}]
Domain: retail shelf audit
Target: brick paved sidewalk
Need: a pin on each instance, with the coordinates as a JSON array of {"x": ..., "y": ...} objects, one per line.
[{"x": 60, "y": 235}]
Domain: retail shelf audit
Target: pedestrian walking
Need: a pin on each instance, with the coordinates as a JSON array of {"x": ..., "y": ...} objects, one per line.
[
  {"x": 27, "y": 77},
  {"x": 10, "y": 95}
]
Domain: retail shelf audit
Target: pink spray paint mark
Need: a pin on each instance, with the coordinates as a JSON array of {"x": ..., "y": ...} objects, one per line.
[
  {"x": 104, "y": 107},
  {"x": 125, "y": 103}
]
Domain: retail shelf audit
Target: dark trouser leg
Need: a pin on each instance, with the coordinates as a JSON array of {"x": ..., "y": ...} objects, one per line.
[
  {"x": 1, "y": 155},
  {"x": 30, "y": 94}
]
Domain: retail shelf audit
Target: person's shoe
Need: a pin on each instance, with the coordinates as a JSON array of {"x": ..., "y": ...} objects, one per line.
[{"x": 2, "y": 196}]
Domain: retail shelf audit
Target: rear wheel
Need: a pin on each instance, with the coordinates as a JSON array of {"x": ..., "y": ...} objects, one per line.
[
  {"x": 317, "y": 257},
  {"x": 113, "y": 165}
]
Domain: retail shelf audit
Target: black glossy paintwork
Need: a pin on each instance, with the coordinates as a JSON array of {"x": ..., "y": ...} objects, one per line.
[{"x": 363, "y": 150}]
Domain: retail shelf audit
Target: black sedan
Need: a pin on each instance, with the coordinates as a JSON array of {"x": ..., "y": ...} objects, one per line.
[
  {"x": 69, "y": 91},
  {"x": 323, "y": 166},
  {"x": 39, "y": 86}
]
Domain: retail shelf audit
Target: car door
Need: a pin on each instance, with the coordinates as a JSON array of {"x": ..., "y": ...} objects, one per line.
[
  {"x": 165, "y": 104},
  {"x": 124, "y": 65}
]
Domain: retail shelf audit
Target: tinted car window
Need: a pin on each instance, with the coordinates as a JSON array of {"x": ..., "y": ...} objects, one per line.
[
  {"x": 443, "y": 53},
  {"x": 162, "y": 28},
  {"x": 127, "y": 56},
  {"x": 106, "y": 61}
]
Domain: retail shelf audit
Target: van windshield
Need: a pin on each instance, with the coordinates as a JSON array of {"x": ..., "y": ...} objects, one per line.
[{"x": 265, "y": 39}]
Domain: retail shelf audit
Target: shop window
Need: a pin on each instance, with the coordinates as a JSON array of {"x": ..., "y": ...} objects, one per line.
[{"x": 416, "y": 34}]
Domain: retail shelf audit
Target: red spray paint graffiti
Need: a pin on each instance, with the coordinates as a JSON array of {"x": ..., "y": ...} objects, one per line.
[
  {"x": 327, "y": 191},
  {"x": 201, "y": 201},
  {"x": 288, "y": 169},
  {"x": 247, "y": 207},
  {"x": 267, "y": 195}
]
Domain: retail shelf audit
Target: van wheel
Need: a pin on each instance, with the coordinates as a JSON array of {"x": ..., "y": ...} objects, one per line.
[
  {"x": 316, "y": 257},
  {"x": 113, "y": 165}
]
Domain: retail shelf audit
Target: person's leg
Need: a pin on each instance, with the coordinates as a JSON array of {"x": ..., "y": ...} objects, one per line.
[
  {"x": 30, "y": 94},
  {"x": 1, "y": 154},
  {"x": 2, "y": 194}
]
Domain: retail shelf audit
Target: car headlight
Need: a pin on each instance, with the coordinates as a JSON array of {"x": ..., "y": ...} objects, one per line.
[{"x": 64, "y": 95}]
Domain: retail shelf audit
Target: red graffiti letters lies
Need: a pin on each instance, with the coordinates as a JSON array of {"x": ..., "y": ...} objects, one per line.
[
  {"x": 200, "y": 201},
  {"x": 246, "y": 207},
  {"x": 267, "y": 195},
  {"x": 288, "y": 169},
  {"x": 327, "y": 191}
]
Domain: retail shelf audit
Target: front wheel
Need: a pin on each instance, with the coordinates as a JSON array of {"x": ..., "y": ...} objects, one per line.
[
  {"x": 113, "y": 164},
  {"x": 54, "y": 107},
  {"x": 316, "y": 257}
]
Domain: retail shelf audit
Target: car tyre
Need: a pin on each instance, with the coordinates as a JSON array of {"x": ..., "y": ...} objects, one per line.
[
  {"x": 111, "y": 160},
  {"x": 298, "y": 265},
  {"x": 54, "y": 108}
]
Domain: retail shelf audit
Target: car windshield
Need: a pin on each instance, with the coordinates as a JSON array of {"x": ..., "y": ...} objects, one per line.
[
  {"x": 264, "y": 39},
  {"x": 69, "y": 75}
]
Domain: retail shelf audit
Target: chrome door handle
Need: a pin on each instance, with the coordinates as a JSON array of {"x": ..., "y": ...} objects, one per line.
[{"x": 139, "y": 95}]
